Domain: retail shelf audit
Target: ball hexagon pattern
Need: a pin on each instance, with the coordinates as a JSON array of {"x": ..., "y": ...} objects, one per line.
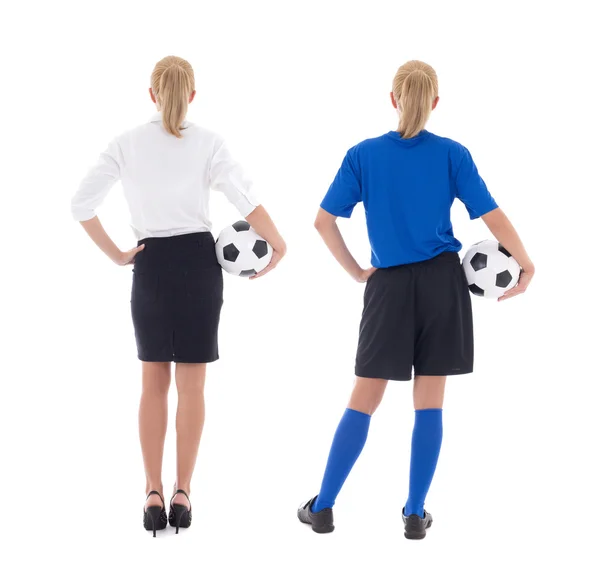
[
  {"x": 241, "y": 251},
  {"x": 490, "y": 269}
]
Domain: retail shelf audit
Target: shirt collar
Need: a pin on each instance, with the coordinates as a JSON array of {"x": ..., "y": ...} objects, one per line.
[
  {"x": 157, "y": 117},
  {"x": 395, "y": 135}
]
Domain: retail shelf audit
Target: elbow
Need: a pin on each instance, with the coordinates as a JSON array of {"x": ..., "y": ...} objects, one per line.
[
  {"x": 321, "y": 226},
  {"x": 82, "y": 210},
  {"x": 282, "y": 248},
  {"x": 82, "y": 214},
  {"x": 321, "y": 222},
  {"x": 324, "y": 221},
  {"x": 75, "y": 213}
]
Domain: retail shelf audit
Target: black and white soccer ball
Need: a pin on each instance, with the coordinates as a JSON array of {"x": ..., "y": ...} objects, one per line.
[
  {"x": 241, "y": 251},
  {"x": 490, "y": 269}
]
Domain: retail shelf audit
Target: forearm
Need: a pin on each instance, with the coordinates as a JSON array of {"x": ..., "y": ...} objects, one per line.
[
  {"x": 97, "y": 233},
  {"x": 333, "y": 239},
  {"x": 260, "y": 221},
  {"x": 505, "y": 233}
]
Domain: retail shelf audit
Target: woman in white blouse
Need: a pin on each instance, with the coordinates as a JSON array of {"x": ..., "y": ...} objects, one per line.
[{"x": 167, "y": 167}]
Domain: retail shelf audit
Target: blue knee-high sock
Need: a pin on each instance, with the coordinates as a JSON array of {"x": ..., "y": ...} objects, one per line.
[
  {"x": 348, "y": 442},
  {"x": 426, "y": 444}
]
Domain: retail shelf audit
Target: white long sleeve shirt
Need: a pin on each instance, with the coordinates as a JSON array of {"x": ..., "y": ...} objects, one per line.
[{"x": 166, "y": 180}]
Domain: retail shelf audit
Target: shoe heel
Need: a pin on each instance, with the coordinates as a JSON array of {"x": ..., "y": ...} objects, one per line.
[
  {"x": 153, "y": 514},
  {"x": 414, "y": 529},
  {"x": 181, "y": 517}
]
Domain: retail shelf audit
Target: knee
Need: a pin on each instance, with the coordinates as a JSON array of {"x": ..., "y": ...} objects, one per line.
[
  {"x": 190, "y": 378},
  {"x": 367, "y": 398},
  {"x": 157, "y": 380},
  {"x": 368, "y": 404},
  {"x": 429, "y": 392},
  {"x": 193, "y": 385},
  {"x": 157, "y": 388}
]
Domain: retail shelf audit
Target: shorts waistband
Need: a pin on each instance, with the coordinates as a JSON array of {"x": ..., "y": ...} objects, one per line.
[{"x": 444, "y": 257}]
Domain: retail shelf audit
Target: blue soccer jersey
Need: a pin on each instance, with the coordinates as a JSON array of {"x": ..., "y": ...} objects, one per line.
[{"x": 407, "y": 187}]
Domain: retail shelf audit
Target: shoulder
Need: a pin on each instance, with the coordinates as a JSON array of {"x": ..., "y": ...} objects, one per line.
[
  {"x": 192, "y": 130},
  {"x": 210, "y": 142},
  {"x": 127, "y": 138},
  {"x": 370, "y": 144},
  {"x": 199, "y": 131},
  {"x": 361, "y": 151},
  {"x": 132, "y": 132},
  {"x": 456, "y": 151},
  {"x": 203, "y": 135}
]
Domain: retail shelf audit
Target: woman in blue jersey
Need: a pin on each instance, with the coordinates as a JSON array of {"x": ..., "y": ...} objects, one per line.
[{"x": 417, "y": 308}]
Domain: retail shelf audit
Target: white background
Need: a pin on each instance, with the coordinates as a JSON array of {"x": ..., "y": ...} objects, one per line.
[{"x": 292, "y": 85}]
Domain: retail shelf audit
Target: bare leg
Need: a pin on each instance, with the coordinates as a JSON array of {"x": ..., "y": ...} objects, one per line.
[
  {"x": 367, "y": 395},
  {"x": 428, "y": 392},
  {"x": 156, "y": 378},
  {"x": 190, "y": 421}
]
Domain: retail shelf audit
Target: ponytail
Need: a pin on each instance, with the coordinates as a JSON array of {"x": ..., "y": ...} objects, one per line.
[
  {"x": 415, "y": 87},
  {"x": 173, "y": 83}
]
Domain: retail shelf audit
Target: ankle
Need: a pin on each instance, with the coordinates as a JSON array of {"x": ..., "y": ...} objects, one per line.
[
  {"x": 411, "y": 508},
  {"x": 154, "y": 487},
  {"x": 185, "y": 486}
]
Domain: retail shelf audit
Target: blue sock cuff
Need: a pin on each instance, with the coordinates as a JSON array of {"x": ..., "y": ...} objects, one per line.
[
  {"x": 352, "y": 412},
  {"x": 429, "y": 410}
]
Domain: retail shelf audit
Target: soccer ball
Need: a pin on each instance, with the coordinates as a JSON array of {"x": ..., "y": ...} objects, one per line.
[
  {"x": 241, "y": 251},
  {"x": 490, "y": 269}
]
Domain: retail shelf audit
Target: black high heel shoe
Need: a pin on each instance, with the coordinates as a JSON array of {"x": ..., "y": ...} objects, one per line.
[
  {"x": 155, "y": 516},
  {"x": 180, "y": 515}
]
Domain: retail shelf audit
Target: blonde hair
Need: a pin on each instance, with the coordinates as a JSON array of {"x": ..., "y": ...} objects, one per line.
[
  {"x": 415, "y": 88},
  {"x": 172, "y": 83}
]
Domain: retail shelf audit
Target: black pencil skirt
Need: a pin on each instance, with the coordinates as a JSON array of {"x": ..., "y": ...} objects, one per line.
[{"x": 176, "y": 299}]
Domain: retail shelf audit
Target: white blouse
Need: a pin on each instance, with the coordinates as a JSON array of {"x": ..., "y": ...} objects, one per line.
[{"x": 166, "y": 180}]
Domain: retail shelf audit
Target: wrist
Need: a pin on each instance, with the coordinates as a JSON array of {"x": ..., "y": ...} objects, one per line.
[
  {"x": 280, "y": 248},
  {"x": 357, "y": 273},
  {"x": 117, "y": 257},
  {"x": 528, "y": 267}
]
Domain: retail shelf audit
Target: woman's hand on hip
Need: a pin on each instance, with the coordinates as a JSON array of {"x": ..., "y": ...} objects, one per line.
[
  {"x": 364, "y": 274},
  {"x": 127, "y": 258}
]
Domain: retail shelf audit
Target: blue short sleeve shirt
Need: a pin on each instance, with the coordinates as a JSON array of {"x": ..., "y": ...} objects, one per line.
[{"x": 407, "y": 187}]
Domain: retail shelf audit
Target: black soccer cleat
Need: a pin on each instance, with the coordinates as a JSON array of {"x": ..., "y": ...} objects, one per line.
[
  {"x": 321, "y": 522},
  {"x": 415, "y": 527}
]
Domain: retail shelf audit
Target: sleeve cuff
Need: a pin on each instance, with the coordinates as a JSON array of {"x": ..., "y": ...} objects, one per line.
[
  {"x": 342, "y": 213},
  {"x": 479, "y": 213},
  {"x": 246, "y": 205},
  {"x": 81, "y": 215}
]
